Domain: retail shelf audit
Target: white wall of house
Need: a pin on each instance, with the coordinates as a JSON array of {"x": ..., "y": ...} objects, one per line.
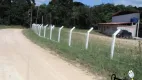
[{"x": 125, "y": 18}]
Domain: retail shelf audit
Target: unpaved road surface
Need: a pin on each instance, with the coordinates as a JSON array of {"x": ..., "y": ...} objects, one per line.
[{"x": 20, "y": 59}]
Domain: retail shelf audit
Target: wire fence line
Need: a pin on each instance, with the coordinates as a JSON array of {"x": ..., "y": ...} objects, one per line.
[
  {"x": 42, "y": 31},
  {"x": 127, "y": 53}
]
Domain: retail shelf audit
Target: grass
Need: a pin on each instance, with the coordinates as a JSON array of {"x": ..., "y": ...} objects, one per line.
[
  {"x": 10, "y": 26},
  {"x": 97, "y": 57},
  {"x": 83, "y": 31}
]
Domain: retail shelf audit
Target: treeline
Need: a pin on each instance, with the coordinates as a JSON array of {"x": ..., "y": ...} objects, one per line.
[{"x": 58, "y": 12}]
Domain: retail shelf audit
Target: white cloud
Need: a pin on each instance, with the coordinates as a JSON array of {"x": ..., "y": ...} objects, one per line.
[{"x": 137, "y": 3}]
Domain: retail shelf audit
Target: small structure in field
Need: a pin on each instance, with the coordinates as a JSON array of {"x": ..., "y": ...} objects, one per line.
[{"x": 124, "y": 20}]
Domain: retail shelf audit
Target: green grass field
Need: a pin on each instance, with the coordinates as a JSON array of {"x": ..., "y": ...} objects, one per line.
[{"x": 97, "y": 57}]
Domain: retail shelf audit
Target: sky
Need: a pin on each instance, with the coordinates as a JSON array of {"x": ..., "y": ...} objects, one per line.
[{"x": 137, "y": 3}]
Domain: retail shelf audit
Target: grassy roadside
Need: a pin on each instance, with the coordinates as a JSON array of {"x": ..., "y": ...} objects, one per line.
[
  {"x": 84, "y": 31},
  {"x": 96, "y": 58},
  {"x": 11, "y": 26}
]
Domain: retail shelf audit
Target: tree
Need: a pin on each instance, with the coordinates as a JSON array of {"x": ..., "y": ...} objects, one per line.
[
  {"x": 18, "y": 11},
  {"x": 41, "y": 12},
  {"x": 12, "y": 11},
  {"x": 80, "y": 16},
  {"x": 59, "y": 12}
]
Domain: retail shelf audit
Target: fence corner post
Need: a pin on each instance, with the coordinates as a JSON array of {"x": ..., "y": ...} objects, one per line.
[
  {"x": 40, "y": 27},
  {"x": 87, "y": 37},
  {"x": 45, "y": 30},
  {"x": 59, "y": 34},
  {"x": 51, "y": 29},
  {"x": 113, "y": 42},
  {"x": 70, "y": 35}
]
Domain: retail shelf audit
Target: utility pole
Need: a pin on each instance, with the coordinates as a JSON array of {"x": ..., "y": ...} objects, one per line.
[
  {"x": 31, "y": 17},
  {"x": 42, "y": 19},
  {"x": 50, "y": 18},
  {"x": 90, "y": 17},
  {"x": 37, "y": 14}
]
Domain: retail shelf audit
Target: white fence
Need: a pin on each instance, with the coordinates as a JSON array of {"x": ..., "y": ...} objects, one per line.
[
  {"x": 38, "y": 27},
  {"x": 41, "y": 29}
]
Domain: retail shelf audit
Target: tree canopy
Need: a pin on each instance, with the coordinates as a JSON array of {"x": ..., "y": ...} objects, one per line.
[{"x": 58, "y": 12}]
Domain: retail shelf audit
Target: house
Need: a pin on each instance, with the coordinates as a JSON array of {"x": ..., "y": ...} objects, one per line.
[{"x": 124, "y": 20}]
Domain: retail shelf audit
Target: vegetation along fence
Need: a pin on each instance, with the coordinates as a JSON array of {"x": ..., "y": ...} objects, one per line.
[{"x": 101, "y": 53}]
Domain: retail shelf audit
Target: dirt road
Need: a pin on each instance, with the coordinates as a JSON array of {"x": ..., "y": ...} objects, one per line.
[{"x": 20, "y": 59}]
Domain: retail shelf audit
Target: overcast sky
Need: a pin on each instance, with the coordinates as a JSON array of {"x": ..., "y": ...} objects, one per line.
[{"x": 97, "y": 2}]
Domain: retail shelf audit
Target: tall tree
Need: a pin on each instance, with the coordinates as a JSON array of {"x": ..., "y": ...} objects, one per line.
[{"x": 61, "y": 11}]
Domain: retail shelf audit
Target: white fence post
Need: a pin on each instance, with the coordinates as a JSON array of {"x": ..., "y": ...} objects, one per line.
[
  {"x": 40, "y": 27},
  {"x": 51, "y": 28},
  {"x": 70, "y": 35},
  {"x": 37, "y": 29},
  {"x": 87, "y": 38},
  {"x": 113, "y": 42},
  {"x": 37, "y": 26},
  {"x": 59, "y": 34},
  {"x": 45, "y": 30}
]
